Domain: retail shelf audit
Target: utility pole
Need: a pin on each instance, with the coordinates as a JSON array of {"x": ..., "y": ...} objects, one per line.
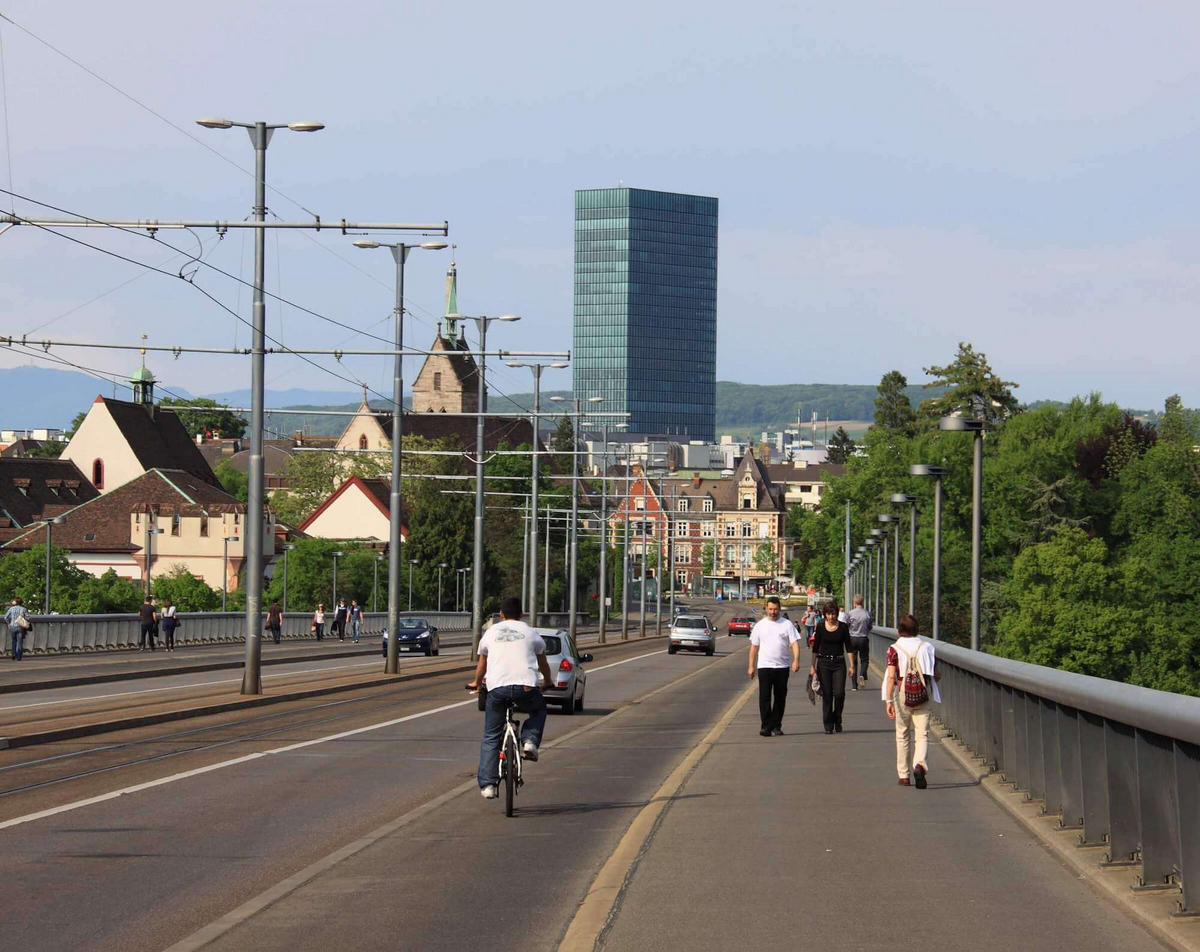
[
  {"x": 625, "y": 601},
  {"x": 604, "y": 540},
  {"x": 573, "y": 601},
  {"x": 642, "y": 606}
]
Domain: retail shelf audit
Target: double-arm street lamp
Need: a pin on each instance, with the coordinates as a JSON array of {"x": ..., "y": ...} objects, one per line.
[
  {"x": 399, "y": 252},
  {"x": 899, "y": 499},
  {"x": 260, "y": 137},
  {"x": 969, "y": 425},
  {"x": 937, "y": 473},
  {"x": 536, "y": 369},
  {"x": 481, "y": 324}
]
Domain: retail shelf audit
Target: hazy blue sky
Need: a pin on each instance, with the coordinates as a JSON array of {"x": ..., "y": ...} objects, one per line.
[{"x": 894, "y": 176}]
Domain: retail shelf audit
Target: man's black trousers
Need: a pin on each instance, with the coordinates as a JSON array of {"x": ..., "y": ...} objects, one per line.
[
  {"x": 860, "y": 649},
  {"x": 772, "y": 696}
]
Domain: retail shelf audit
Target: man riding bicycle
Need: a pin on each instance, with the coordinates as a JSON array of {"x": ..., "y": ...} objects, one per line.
[{"x": 511, "y": 655}]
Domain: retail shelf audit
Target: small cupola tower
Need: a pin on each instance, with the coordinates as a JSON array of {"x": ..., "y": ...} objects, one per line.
[{"x": 143, "y": 382}]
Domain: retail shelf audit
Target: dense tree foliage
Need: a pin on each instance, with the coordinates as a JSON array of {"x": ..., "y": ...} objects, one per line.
[
  {"x": 1091, "y": 533},
  {"x": 841, "y": 447},
  {"x": 893, "y": 409},
  {"x": 215, "y": 420},
  {"x": 232, "y": 480}
]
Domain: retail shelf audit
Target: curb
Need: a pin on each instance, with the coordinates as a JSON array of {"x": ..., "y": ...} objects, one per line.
[{"x": 162, "y": 717}]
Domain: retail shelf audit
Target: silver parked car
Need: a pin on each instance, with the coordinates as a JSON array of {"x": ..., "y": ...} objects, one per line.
[
  {"x": 566, "y": 666},
  {"x": 693, "y": 633}
]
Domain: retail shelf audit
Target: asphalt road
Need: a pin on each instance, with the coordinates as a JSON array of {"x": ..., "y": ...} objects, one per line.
[{"x": 193, "y": 834}]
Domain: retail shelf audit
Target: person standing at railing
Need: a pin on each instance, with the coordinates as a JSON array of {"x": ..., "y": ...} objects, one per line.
[
  {"x": 149, "y": 621},
  {"x": 860, "y": 622},
  {"x": 355, "y": 620},
  {"x": 339, "y": 619},
  {"x": 274, "y": 621},
  {"x": 169, "y": 623},
  {"x": 19, "y": 626},
  {"x": 318, "y": 621},
  {"x": 910, "y": 685}
]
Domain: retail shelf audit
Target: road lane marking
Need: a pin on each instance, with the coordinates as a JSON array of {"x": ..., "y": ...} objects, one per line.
[
  {"x": 593, "y": 914},
  {"x": 246, "y": 758},
  {"x": 250, "y": 908}
]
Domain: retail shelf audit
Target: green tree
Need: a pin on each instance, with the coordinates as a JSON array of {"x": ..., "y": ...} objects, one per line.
[
  {"x": 893, "y": 410},
  {"x": 23, "y": 574},
  {"x": 312, "y": 476},
  {"x": 764, "y": 559},
  {"x": 187, "y": 592},
  {"x": 841, "y": 447},
  {"x": 47, "y": 449},
  {"x": 971, "y": 388},
  {"x": 233, "y": 481},
  {"x": 215, "y": 419},
  {"x": 75, "y": 423},
  {"x": 708, "y": 558},
  {"x": 563, "y": 440},
  {"x": 106, "y": 594}
]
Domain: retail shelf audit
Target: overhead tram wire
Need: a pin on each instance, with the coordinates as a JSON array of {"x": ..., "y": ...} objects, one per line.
[{"x": 105, "y": 375}]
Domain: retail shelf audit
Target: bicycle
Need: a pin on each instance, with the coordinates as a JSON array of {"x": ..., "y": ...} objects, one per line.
[{"x": 510, "y": 751}]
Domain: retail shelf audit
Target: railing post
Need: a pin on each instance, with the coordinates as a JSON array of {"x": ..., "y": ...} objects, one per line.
[
  {"x": 1072, "y": 778},
  {"x": 1093, "y": 781},
  {"x": 1033, "y": 728},
  {"x": 1051, "y": 762},
  {"x": 1157, "y": 809},
  {"x": 1187, "y": 786},
  {"x": 1121, "y": 772},
  {"x": 1020, "y": 777}
]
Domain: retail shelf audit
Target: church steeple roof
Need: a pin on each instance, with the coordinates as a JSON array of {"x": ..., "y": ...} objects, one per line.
[{"x": 452, "y": 297}]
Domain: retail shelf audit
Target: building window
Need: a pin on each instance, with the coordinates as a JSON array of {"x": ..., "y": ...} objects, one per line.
[
  {"x": 730, "y": 529},
  {"x": 746, "y": 553},
  {"x": 731, "y": 553},
  {"x": 764, "y": 529},
  {"x": 681, "y": 529},
  {"x": 203, "y": 525},
  {"x": 683, "y": 554},
  {"x": 175, "y": 524},
  {"x": 708, "y": 505},
  {"x": 437, "y": 380},
  {"x": 746, "y": 501},
  {"x": 706, "y": 530},
  {"x": 639, "y": 503},
  {"x": 98, "y": 473},
  {"x": 682, "y": 577},
  {"x": 746, "y": 530},
  {"x": 237, "y": 517},
  {"x": 682, "y": 505},
  {"x": 362, "y": 442}
]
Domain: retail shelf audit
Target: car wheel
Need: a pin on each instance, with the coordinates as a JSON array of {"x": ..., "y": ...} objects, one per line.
[
  {"x": 671, "y": 649},
  {"x": 579, "y": 703},
  {"x": 568, "y": 706},
  {"x": 429, "y": 651},
  {"x": 711, "y": 650},
  {"x": 437, "y": 647}
]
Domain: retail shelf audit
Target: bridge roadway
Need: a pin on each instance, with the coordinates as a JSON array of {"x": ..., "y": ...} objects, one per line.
[{"x": 803, "y": 840}]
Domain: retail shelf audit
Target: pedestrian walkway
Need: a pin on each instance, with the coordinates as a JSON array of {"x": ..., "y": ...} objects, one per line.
[{"x": 807, "y": 842}]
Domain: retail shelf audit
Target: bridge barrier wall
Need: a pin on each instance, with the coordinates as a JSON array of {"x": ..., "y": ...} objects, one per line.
[
  {"x": 64, "y": 634},
  {"x": 1117, "y": 762}
]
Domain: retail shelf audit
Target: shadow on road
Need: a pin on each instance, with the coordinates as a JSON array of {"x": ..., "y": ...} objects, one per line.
[{"x": 567, "y": 809}]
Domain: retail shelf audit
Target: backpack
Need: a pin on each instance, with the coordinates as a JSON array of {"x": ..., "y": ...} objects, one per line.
[{"x": 913, "y": 686}]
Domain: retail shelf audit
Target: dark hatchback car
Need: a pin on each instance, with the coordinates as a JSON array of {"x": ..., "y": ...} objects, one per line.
[{"x": 415, "y": 634}]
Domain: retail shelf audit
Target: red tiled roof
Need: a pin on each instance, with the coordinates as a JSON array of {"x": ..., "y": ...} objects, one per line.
[{"x": 30, "y": 486}]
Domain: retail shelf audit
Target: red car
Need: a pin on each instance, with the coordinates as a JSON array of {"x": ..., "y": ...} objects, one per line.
[{"x": 741, "y": 626}]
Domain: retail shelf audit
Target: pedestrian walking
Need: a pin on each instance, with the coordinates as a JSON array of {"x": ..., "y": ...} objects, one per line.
[
  {"x": 831, "y": 656},
  {"x": 774, "y": 654},
  {"x": 170, "y": 621},
  {"x": 149, "y": 621},
  {"x": 318, "y": 621},
  {"x": 19, "y": 625},
  {"x": 339, "y": 619},
  {"x": 809, "y": 621},
  {"x": 355, "y": 620},
  {"x": 860, "y": 623},
  {"x": 274, "y": 621},
  {"x": 910, "y": 685}
]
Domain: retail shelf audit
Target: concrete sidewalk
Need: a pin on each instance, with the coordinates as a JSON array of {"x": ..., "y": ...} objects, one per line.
[{"x": 806, "y": 842}]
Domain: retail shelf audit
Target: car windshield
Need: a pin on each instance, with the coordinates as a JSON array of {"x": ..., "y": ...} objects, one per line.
[
  {"x": 690, "y": 623},
  {"x": 553, "y": 644},
  {"x": 412, "y": 623}
]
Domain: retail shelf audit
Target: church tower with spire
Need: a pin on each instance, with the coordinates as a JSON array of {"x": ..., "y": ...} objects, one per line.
[{"x": 448, "y": 382}]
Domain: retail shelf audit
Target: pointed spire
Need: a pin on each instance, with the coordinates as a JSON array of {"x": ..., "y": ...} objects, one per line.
[{"x": 452, "y": 296}]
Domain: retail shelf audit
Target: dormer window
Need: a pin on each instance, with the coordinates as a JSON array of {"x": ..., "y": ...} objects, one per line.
[
  {"x": 747, "y": 501},
  {"x": 708, "y": 505},
  {"x": 682, "y": 506}
]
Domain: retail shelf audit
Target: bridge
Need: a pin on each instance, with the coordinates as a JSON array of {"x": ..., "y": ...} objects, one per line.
[{"x": 340, "y": 810}]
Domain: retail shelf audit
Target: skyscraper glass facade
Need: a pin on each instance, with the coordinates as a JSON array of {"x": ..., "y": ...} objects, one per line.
[{"x": 646, "y": 308}]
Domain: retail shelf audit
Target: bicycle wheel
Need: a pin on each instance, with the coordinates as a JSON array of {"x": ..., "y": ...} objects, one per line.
[{"x": 510, "y": 775}]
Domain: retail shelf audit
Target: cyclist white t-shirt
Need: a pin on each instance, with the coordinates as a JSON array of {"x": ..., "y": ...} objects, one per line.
[{"x": 512, "y": 648}]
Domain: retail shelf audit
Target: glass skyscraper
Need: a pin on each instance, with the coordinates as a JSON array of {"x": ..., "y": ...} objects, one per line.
[{"x": 646, "y": 308}]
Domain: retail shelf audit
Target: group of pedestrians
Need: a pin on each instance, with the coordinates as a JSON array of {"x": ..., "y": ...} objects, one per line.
[
  {"x": 840, "y": 646},
  {"x": 153, "y": 621},
  {"x": 343, "y": 615}
]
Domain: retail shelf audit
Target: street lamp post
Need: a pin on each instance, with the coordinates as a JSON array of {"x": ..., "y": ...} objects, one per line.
[
  {"x": 441, "y": 565},
  {"x": 900, "y": 499},
  {"x": 573, "y": 539},
  {"x": 849, "y": 582},
  {"x": 399, "y": 252},
  {"x": 535, "y": 418},
  {"x": 937, "y": 472},
  {"x": 603, "y": 639},
  {"x": 336, "y": 555},
  {"x": 375, "y": 585},
  {"x": 892, "y": 522},
  {"x": 411, "y": 563},
  {"x": 260, "y": 136},
  {"x": 286, "y": 549},
  {"x": 873, "y": 575},
  {"x": 625, "y": 569},
  {"x": 967, "y": 424},
  {"x": 50, "y": 523},
  {"x": 224, "y": 572},
  {"x": 481, "y": 323},
  {"x": 151, "y": 532}
]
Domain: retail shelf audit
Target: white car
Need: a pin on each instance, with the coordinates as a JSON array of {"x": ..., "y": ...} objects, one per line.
[
  {"x": 566, "y": 667},
  {"x": 693, "y": 633}
]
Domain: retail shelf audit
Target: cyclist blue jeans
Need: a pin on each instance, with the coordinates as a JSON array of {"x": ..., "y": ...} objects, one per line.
[{"x": 528, "y": 701}]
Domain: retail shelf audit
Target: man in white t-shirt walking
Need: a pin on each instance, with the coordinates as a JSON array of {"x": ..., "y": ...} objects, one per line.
[
  {"x": 511, "y": 656},
  {"x": 774, "y": 654}
]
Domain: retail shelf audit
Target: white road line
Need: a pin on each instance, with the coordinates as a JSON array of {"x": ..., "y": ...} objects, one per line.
[{"x": 163, "y": 781}]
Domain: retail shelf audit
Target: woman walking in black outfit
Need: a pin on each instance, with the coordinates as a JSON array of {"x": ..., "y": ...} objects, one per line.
[{"x": 832, "y": 653}]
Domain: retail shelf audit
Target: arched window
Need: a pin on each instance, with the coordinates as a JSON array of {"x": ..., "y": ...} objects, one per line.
[
  {"x": 362, "y": 442},
  {"x": 98, "y": 473}
]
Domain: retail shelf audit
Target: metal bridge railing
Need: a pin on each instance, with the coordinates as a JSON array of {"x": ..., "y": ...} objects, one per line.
[
  {"x": 1117, "y": 762},
  {"x": 64, "y": 634}
]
